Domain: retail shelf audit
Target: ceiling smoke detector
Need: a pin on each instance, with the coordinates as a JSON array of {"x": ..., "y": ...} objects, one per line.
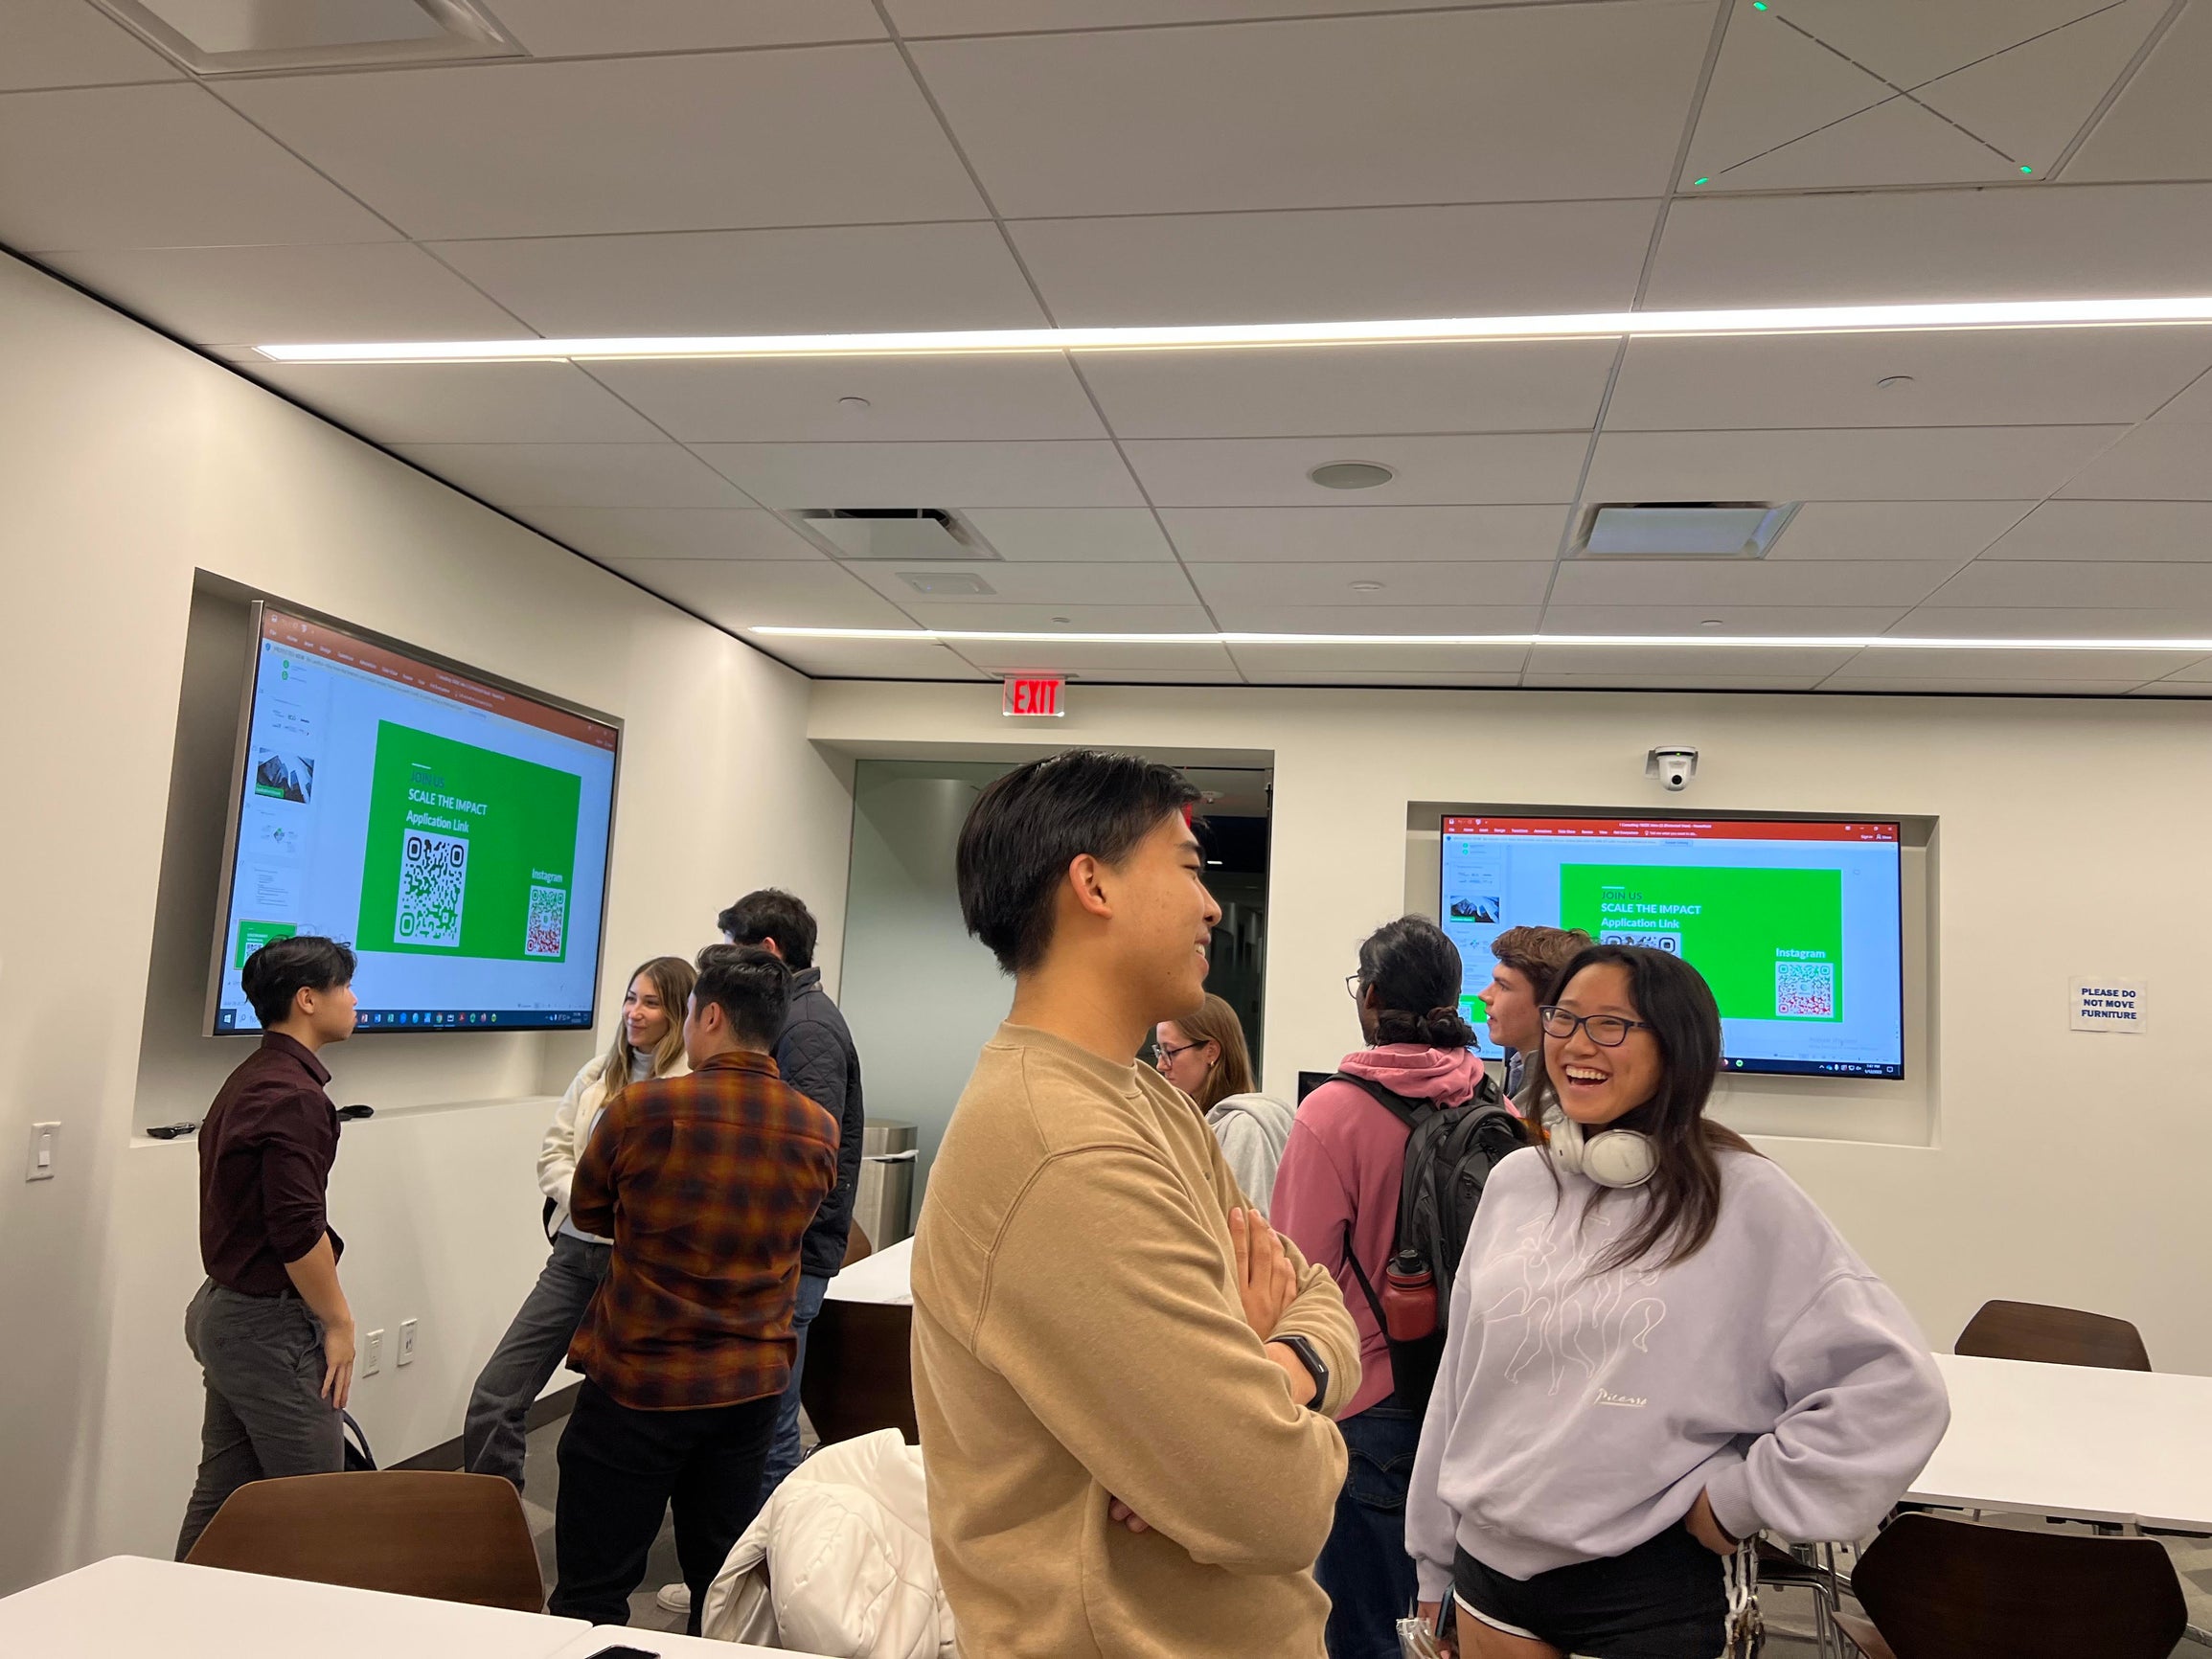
[
  {"x": 921, "y": 535},
  {"x": 1683, "y": 529},
  {"x": 1351, "y": 474},
  {"x": 235, "y": 36}
]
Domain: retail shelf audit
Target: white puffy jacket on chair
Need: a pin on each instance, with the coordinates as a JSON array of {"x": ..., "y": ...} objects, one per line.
[{"x": 838, "y": 1562}]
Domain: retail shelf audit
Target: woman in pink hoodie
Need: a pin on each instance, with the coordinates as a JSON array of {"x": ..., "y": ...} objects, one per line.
[{"x": 1338, "y": 1184}]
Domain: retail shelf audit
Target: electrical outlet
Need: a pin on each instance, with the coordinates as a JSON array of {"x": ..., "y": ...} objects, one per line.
[
  {"x": 407, "y": 1340},
  {"x": 372, "y": 1354}
]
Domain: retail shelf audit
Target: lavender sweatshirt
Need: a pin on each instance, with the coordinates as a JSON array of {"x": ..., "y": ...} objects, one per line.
[{"x": 1576, "y": 1415}]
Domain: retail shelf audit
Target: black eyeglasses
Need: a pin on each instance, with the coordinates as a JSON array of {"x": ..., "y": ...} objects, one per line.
[
  {"x": 1608, "y": 1030},
  {"x": 1354, "y": 985},
  {"x": 1162, "y": 1054}
]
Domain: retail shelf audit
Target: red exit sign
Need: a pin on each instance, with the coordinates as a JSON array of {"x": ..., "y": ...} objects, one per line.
[{"x": 1036, "y": 694}]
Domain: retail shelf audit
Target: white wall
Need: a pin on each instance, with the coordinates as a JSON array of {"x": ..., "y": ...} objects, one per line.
[
  {"x": 127, "y": 462},
  {"x": 2064, "y": 1168}
]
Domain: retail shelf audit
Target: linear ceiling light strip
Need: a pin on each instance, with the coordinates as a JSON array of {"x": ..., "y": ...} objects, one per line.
[
  {"x": 1434, "y": 330},
  {"x": 1702, "y": 642}
]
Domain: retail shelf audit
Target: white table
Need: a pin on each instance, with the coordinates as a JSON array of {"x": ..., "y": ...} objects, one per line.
[
  {"x": 604, "y": 1636},
  {"x": 887, "y": 1277},
  {"x": 2078, "y": 1441},
  {"x": 128, "y": 1607}
]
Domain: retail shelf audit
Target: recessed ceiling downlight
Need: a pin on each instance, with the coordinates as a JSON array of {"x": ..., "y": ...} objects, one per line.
[{"x": 1351, "y": 474}]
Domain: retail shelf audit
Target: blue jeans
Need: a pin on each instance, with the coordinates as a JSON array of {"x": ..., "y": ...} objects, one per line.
[
  {"x": 783, "y": 1452},
  {"x": 1363, "y": 1566}
]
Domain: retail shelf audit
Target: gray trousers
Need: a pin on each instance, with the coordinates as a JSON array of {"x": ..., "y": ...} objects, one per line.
[
  {"x": 260, "y": 1358},
  {"x": 494, "y": 1432}
]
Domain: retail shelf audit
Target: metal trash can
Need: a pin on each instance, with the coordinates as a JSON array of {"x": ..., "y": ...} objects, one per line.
[{"x": 884, "y": 1204}]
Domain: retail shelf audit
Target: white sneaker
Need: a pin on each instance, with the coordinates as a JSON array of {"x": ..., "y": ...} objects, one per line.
[{"x": 674, "y": 1598}]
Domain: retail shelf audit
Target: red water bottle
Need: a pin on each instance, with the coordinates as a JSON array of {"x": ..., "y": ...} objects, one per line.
[{"x": 1408, "y": 1298}]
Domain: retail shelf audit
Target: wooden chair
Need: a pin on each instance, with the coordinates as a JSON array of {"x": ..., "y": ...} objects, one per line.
[
  {"x": 451, "y": 1537},
  {"x": 859, "y": 1373},
  {"x": 1937, "y": 1588},
  {"x": 2053, "y": 1336}
]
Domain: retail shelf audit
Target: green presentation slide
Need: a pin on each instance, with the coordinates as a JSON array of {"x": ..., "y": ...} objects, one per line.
[
  {"x": 470, "y": 852},
  {"x": 1769, "y": 941}
]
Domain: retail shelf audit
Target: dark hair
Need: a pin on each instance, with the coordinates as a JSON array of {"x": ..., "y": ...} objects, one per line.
[
  {"x": 1414, "y": 970},
  {"x": 771, "y": 913},
  {"x": 1027, "y": 827},
  {"x": 1673, "y": 999},
  {"x": 1538, "y": 954},
  {"x": 284, "y": 967},
  {"x": 749, "y": 985}
]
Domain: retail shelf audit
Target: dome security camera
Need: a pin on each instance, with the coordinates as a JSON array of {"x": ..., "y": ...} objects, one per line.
[{"x": 1673, "y": 768}]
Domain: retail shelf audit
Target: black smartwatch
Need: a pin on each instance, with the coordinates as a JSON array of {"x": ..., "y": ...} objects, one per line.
[{"x": 1316, "y": 1368}]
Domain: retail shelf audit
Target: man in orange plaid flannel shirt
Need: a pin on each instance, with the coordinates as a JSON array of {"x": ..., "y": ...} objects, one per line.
[{"x": 707, "y": 1184}]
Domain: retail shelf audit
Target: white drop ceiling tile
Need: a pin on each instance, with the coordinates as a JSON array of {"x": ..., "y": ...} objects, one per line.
[
  {"x": 1074, "y": 534},
  {"x": 2087, "y": 583},
  {"x": 2196, "y": 671},
  {"x": 814, "y": 135},
  {"x": 1772, "y": 83},
  {"x": 1944, "y": 620},
  {"x": 1144, "y": 676},
  {"x": 1310, "y": 583},
  {"x": 1542, "y": 386},
  {"x": 910, "y": 400},
  {"x": 165, "y": 166},
  {"x": 655, "y": 533},
  {"x": 737, "y": 594},
  {"x": 962, "y": 475},
  {"x": 1847, "y": 581},
  {"x": 1079, "y": 617},
  {"x": 269, "y": 294},
  {"x": 1894, "y": 464},
  {"x": 870, "y": 659},
  {"x": 461, "y": 402},
  {"x": 1430, "y": 472},
  {"x": 1949, "y": 531},
  {"x": 823, "y": 279},
  {"x": 2157, "y": 128},
  {"x": 1506, "y": 258},
  {"x": 1467, "y": 617},
  {"x": 1272, "y": 660},
  {"x": 1346, "y": 534},
  {"x": 67, "y": 43},
  {"x": 1688, "y": 621},
  {"x": 1536, "y": 103},
  {"x": 1096, "y": 661},
  {"x": 1898, "y": 143},
  {"x": 1910, "y": 41},
  {"x": 1961, "y": 686},
  {"x": 2153, "y": 463},
  {"x": 1052, "y": 585},
  {"x": 1803, "y": 681},
  {"x": 575, "y": 28},
  {"x": 1261, "y": 673},
  {"x": 2127, "y": 530},
  {"x": 521, "y": 475},
  {"x": 1647, "y": 662},
  {"x": 2173, "y": 689},
  {"x": 919, "y": 18},
  {"x": 2030, "y": 100},
  {"x": 1987, "y": 377},
  {"x": 2192, "y": 408},
  {"x": 2020, "y": 668},
  {"x": 2024, "y": 243}
]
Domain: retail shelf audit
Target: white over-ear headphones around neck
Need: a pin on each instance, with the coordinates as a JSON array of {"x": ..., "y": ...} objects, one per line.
[{"x": 1611, "y": 1157}]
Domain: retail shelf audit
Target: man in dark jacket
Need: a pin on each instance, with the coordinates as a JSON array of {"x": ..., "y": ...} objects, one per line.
[{"x": 816, "y": 1056}]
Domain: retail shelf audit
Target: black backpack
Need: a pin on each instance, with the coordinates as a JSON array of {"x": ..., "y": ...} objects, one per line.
[{"x": 1449, "y": 1154}]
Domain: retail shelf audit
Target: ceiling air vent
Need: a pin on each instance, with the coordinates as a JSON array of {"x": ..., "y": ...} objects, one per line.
[
  {"x": 1683, "y": 529},
  {"x": 231, "y": 36},
  {"x": 919, "y": 534}
]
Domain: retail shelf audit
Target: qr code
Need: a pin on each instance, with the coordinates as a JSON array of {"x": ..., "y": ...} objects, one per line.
[
  {"x": 433, "y": 882},
  {"x": 548, "y": 922},
  {"x": 1670, "y": 943},
  {"x": 1805, "y": 990}
]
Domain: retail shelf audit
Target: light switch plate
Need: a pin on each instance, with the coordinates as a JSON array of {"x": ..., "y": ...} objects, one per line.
[
  {"x": 373, "y": 1352},
  {"x": 45, "y": 1152},
  {"x": 407, "y": 1341}
]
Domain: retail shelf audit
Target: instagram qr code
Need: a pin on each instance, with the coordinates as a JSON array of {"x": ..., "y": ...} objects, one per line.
[
  {"x": 548, "y": 922},
  {"x": 1805, "y": 990},
  {"x": 433, "y": 882}
]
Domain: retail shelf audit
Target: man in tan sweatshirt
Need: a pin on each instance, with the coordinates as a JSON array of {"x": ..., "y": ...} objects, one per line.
[{"x": 1122, "y": 1376}]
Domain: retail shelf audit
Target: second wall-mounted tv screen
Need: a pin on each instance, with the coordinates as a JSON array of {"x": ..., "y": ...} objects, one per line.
[
  {"x": 452, "y": 829},
  {"x": 1795, "y": 924}
]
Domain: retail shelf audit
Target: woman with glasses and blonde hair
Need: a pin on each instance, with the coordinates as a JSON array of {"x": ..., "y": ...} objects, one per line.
[
  {"x": 648, "y": 1042},
  {"x": 1657, "y": 1348},
  {"x": 1204, "y": 1055}
]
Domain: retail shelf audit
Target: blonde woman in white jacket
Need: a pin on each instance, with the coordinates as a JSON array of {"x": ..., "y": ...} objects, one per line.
[{"x": 647, "y": 1043}]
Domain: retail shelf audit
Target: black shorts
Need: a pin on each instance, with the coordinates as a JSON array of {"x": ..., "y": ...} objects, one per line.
[{"x": 1663, "y": 1599}]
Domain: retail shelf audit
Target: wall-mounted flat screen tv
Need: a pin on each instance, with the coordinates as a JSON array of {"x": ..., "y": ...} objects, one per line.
[
  {"x": 452, "y": 829},
  {"x": 1796, "y": 923}
]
